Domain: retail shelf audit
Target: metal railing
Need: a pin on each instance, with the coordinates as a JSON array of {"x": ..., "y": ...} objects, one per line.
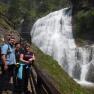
[{"x": 40, "y": 84}]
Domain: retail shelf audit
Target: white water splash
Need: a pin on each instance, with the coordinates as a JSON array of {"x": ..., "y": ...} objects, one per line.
[{"x": 53, "y": 35}]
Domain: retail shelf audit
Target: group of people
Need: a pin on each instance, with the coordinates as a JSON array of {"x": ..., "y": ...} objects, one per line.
[{"x": 15, "y": 63}]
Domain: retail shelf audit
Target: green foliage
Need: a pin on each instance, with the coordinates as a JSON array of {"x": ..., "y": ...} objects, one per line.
[
  {"x": 32, "y": 8},
  {"x": 84, "y": 23},
  {"x": 18, "y": 9},
  {"x": 46, "y": 6},
  {"x": 4, "y": 25},
  {"x": 4, "y": 22},
  {"x": 3, "y": 9}
]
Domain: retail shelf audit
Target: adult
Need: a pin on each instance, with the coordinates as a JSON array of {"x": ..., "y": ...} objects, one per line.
[
  {"x": 8, "y": 61},
  {"x": 26, "y": 60}
]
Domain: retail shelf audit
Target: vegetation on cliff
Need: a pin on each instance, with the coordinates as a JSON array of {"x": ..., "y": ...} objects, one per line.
[
  {"x": 59, "y": 78},
  {"x": 23, "y": 13},
  {"x": 83, "y": 20},
  {"x": 84, "y": 24},
  {"x": 34, "y": 8}
]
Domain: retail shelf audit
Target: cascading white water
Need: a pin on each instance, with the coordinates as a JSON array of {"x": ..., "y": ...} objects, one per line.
[{"x": 53, "y": 35}]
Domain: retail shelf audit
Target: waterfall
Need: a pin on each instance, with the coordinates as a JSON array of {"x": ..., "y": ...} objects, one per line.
[{"x": 53, "y": 35}]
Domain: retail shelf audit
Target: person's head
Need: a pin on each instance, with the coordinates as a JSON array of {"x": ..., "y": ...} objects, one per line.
[
  {"x": 8, "y": 36},
  {"x": 17, "y": 46},
  {"x": 12, "y": 40},
  {"x": 27, "y": 47}
]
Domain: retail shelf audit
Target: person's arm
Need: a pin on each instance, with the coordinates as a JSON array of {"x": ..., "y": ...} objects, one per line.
[
  {"x": 32, "y": 59},
  {"x": 21, "y": 58},
  {"x": 4, "y": 62},
  {"x": 3, "y": 56}
]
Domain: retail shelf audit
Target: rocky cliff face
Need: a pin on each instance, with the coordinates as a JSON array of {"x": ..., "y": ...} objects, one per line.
[
  {"x": 83, "y": 20},
  {"x": 79, "y": 4}
]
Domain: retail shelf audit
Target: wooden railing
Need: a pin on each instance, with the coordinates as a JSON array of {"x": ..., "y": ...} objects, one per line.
[{"x": 40, "y": 84}]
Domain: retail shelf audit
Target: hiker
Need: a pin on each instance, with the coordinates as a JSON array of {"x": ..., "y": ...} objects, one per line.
[
  {"x": 18, "y": 50},
  {"x": 26, "y": 60},
  {"x": 8, "y": 61}
]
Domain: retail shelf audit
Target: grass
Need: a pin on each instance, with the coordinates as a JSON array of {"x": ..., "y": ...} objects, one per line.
[{"x": 60, "y": 79}]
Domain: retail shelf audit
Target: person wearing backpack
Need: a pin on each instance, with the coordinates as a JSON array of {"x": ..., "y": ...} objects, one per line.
[{"x": 8, "y": 62}]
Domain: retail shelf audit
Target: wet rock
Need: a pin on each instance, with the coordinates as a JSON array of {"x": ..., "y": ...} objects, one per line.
[
  {"x": 90, "y": 74},
  {"x": 77, "y": 71}
]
